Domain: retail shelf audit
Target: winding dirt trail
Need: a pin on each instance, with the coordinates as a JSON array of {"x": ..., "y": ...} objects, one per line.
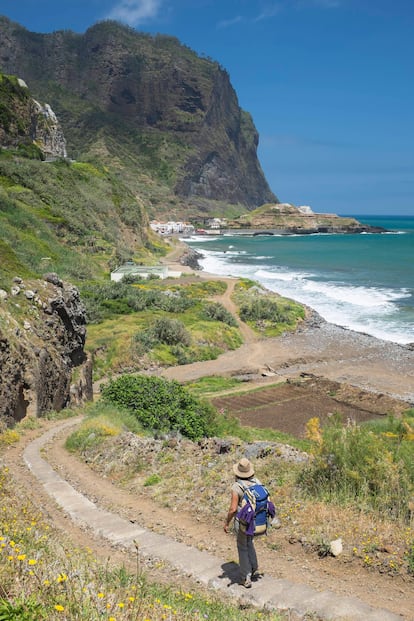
[
  {"x": 318, "y": 348},
  {"x": 322, "y": 349},
  {"x": 280, "y": 559}
]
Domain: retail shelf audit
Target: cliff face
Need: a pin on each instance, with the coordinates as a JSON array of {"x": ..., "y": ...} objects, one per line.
[
  {"x": 42, "y": 335},
  {"x": 25, "y": 122},
  {"x": 151, "y": 95}
]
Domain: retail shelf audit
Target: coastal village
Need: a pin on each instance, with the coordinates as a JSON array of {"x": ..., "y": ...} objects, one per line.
[
  {"x": 214, "y": 226},
  {"x": 211, "y": 225}
]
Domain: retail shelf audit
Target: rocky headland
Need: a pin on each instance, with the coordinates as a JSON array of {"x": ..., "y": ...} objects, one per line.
[{"x": 287, "y": 219}]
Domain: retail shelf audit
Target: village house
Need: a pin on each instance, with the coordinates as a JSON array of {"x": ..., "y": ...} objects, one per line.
[{"x": 172, "y": 228}]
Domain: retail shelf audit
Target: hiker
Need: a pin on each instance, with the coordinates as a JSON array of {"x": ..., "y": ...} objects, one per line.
[{"x": 244, "y": 473}]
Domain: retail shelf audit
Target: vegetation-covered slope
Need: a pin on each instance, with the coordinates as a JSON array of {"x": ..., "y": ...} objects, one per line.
[
  {"x": 71, "y": 218},
  {"x": 150, "y": 104}
]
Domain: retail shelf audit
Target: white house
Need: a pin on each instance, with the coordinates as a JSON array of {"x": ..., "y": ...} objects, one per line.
[{"x": 143, "y": 271}]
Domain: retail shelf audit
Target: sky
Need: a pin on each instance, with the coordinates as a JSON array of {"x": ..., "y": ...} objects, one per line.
[{"x": 329, "y": 84}]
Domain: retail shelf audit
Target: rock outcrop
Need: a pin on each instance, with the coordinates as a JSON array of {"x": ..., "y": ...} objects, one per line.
[
  {"x": 47, "y": 131},
  {"x": 24, "y": 122},
  {"x": 43, "y": 365},
  {"x": 287, "y": 219},
  {"x": 146, "y": 99}
]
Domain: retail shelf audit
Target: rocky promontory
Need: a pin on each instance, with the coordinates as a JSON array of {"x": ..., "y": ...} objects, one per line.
[{"x": 287, "y": 219}]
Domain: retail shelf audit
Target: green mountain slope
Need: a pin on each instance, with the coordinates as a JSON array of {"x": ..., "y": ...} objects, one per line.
[
  {"x": 70, "y": 218},
  {"x": 164, "y": 117}
]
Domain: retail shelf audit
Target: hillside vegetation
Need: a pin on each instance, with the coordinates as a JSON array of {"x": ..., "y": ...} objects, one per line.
[
  {"x": 76, "y": 219},
  {"x": 166, "y": 119}
]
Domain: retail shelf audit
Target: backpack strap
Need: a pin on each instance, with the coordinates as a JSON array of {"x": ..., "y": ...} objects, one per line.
[
  {"x": 241, "y": 483},
  {"x": 247, "y": 497}
]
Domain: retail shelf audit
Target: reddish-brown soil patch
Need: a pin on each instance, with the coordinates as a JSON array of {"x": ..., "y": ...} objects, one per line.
[{"x": 287, "y": 407}]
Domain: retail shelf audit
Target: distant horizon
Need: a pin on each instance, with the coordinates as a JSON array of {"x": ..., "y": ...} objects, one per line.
[{"x": 374, "y": 215}]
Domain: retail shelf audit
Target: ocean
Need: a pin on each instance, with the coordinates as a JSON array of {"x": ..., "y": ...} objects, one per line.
[{"x": 362, "y": 282}]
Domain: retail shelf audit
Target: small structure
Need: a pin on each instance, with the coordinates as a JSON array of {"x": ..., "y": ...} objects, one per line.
[
  {"x": 305, "y": 210},
  {"x": 172, "y": 228},
  {"x": 143, "y": 271}
]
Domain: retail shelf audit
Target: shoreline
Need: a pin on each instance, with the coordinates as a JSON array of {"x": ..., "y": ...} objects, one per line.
[{"x": 316, "y": 347}]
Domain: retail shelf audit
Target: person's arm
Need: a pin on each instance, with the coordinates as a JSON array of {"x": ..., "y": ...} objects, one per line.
[{"x": 234, "y": 504}]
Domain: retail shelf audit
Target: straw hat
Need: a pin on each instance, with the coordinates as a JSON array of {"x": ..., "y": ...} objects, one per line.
[{"x": 244, "y": 469}]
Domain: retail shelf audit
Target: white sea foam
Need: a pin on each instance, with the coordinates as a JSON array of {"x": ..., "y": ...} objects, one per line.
[
  {"x": 284, "y": 275},
  {"x": 362, "y": 309},
  {"x": 368, "y": 297},
  {"x": 198, "y": 238}
]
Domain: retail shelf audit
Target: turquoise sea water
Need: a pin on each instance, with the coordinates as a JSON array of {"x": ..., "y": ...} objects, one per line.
[{"x": 361, "y": 282}]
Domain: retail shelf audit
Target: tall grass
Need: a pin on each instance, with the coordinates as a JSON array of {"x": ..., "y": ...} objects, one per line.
[{"x": 371, "y": 468}]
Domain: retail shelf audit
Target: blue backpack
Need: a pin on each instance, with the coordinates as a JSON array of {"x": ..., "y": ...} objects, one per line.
[{"x": 257, "y": 496}]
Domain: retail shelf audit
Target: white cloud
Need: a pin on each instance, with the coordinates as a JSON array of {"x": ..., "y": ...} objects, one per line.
[
  {"x": 135, "y": 12},
  {"x": 269, "y": 11},
  {"x": 226, "y": 23}
]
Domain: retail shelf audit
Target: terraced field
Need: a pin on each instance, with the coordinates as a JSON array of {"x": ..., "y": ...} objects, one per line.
[{"x": 288, "y": 406}]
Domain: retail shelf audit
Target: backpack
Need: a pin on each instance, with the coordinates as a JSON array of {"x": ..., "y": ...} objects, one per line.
[{"x": 257, "y": 496}]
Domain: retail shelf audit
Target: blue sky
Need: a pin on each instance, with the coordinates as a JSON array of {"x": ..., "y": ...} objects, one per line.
[{"x": 329, "y": 84}]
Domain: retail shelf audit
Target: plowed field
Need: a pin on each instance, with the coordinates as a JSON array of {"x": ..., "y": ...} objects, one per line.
[{"x": 287, "y": 407}]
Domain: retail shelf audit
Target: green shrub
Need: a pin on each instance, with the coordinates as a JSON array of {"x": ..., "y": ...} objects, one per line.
[
  {"x": 262, "y": 308},
  {"x": 216, "y": 312},
  {"x": 162, "y": 405},
  {"x": 104, "y": 301},
  {"x": 22, "y": 609},
  {"x": 31, "y": 151},
  {"x": 143, "y": 341},
  {"x": 153, "y": 479},
  {"x": 170, "y": 332}
]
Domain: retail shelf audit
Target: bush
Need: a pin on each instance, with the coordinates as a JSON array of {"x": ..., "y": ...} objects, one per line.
[
  {"x": 217, "y": 312},
  {"x": 170, "y": 332},
  {"x": 107, "y": 300},
  {"x": 162, "y": 405},
  {"x": 262, "y": 308}
]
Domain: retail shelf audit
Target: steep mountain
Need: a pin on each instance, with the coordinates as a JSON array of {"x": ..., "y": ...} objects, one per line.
[{"x": 148, "y": 105}]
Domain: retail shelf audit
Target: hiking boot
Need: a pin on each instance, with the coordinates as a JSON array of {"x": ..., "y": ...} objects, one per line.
[
  {"x": 257, "y": 574},
  {"x": 247, "y": 582}
]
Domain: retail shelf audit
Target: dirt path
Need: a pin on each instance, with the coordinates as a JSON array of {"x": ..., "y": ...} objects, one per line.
[
  {"x": 278, "y": 557},
  {"x": 318, "y": 348}
]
